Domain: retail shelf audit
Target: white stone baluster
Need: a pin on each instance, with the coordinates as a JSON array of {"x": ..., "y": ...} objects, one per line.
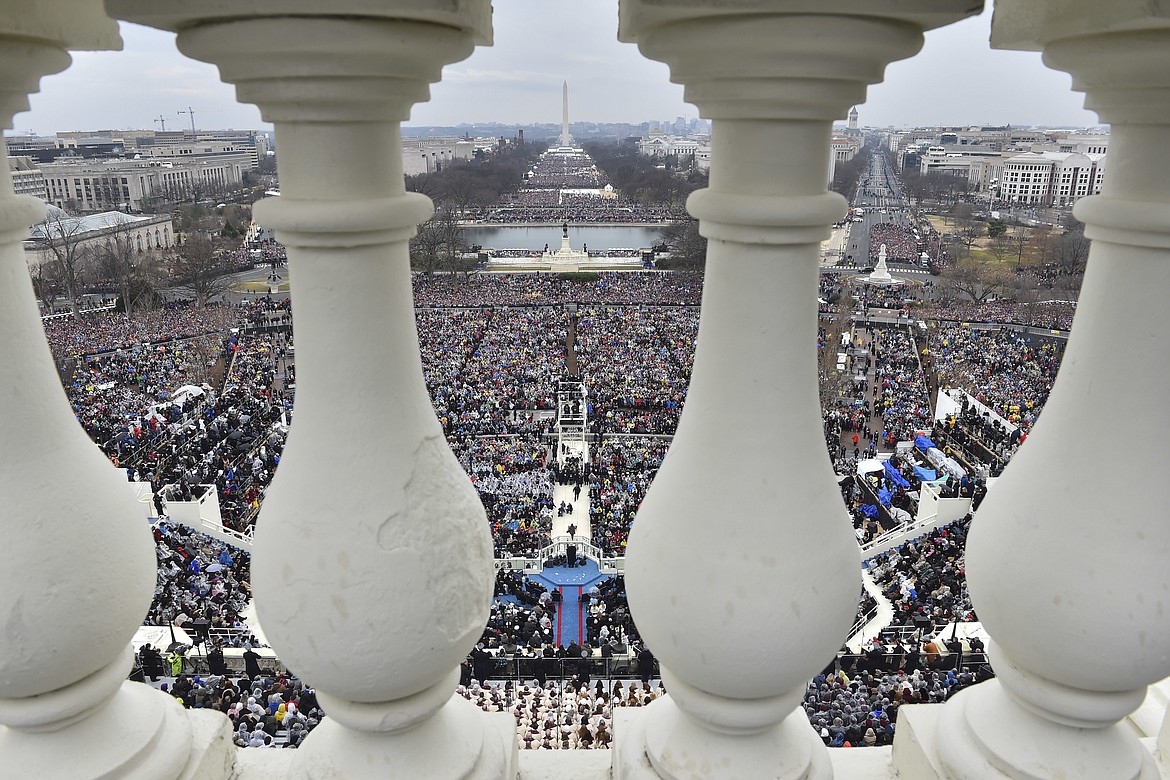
[
  {"x": 79, "y": 568},
  {"x": 373, "y": 562},
  {"x": 1068, "y": 562},
  {"x": 742, "y": 566}
]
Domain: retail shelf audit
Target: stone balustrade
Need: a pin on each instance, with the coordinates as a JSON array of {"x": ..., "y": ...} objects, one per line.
[{"x": 372, "y": 562}]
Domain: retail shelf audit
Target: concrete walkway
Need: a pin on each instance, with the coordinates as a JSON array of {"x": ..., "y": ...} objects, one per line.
[{"x": 564, "y": 494}]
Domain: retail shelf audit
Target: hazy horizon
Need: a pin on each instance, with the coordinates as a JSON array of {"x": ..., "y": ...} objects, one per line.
[{"x": 956, "y": 80}]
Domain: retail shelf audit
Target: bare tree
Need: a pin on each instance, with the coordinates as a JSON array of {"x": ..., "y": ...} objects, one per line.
[
  {"x": 46, "y": 283},
  {"x": 454, "y": 243},
  {"x": 1018, "y": 240},
  {"x": 426, "y": 247},
  {"x": 967, "y": 233},
  {"x": 62, "y": 244},
  {"x": 1042, "y": 241},
  {"x": 978, "y": 280},
  {"x": 132, "y": 271},
  {"x": 439, "y": 243},
  {"x": 459, "y": 191},
  {"x": 1070, "y": 252},
  {"x": 961, "y": 213},
  {"x": 688, "y": 248},
  {"x": 1000, "y": 247},
  {"x": 198, "y": 271}
]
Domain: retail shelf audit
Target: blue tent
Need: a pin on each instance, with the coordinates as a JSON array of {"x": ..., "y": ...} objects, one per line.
[
  {"x": 926, "y": 475},
  {"x": 893, "y": 475},
  {"x": 923, "y": 443}
]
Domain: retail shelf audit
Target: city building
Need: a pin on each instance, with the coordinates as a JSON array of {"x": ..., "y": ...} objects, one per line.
[
  {"x": 843, "y": 149},
  {"x": 142, "y": 233},
  {"x": 659, "y": 144},
  {"x": 853, "y": 126},
  {"x": 27, "y": 177},
  {"x": 132, "y": 185},
  {"x": 1051, "y": 178},
  {"x": 429, "y": 155}
]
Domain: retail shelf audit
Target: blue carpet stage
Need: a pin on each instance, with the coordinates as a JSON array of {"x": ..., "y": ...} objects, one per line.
[{"x": 573, "y": 583}]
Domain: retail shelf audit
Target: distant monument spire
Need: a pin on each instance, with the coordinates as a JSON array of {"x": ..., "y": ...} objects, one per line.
[{"x": 565, "y": 114}]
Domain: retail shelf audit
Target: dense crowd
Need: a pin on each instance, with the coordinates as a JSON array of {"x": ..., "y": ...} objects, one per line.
[
  {"x": 879, "y": 296},
  {"x": 109, "y": 330},
  {"x": 602, "y": 212},
  {"x": 200, "y": 578},
  {"x": 268, "y": 252},
  {"x": 515, "y": 487},
  {"x": 862, "y": 710},
  {"x": 622, "y": 473},
  {"x": 899, "y": 392},
  {"x": 508, "y": 370},
  {"x": 492, "y": 375},
  {"x": 521, "y": 621},
  {"x": 1010, "y": 372},
  {"x": 610, "y": 288},
  {"x": 924, "y": 580},
  {"x": 130, "y": 399},
  {"x": 1057, "y": 315},
  {"x": 570, "y": 188},
  {"x": 552, "y": 717},
  {"x": 636, "y": 380},
  {"x": 237, "y": 441},
  {"x": 900, "y": 241},
  {"x": 265, "y": 710}
]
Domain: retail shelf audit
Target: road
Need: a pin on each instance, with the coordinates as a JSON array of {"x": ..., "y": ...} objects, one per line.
[{"x": 879, "y": 194}]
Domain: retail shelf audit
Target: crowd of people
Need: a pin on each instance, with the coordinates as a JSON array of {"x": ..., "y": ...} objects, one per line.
[
  {"x": 515, "y": 487},
  {"x": 899, "y": 392},
  {"x": 492, "y": 375},
  {"x": 570, "y": 188},
  {"x": 862, "y": 710},
  {"x": 508, "y": 369},
  {"x": 268, "y": 252},
  {"x": 130, "y": 399},
  {"x": 609, "y": 288},
  {"x": 553, "y": 717},
  {"x": 900, "y": 241},
  {"x": 924, "y": 580},
  {"x": 200, "y": 578},
  {"x": 521, "y": 626},
  {"x": 624, "y": 468},
  {"x": 105, "y": 331},
  {"x": 1012, "y": 373},
  {"x": 555, "y": 206},
  {"x": 265, "y": 710},
  {"x": 636, "y": 381},
  {"x": 1057, "y": 315}
]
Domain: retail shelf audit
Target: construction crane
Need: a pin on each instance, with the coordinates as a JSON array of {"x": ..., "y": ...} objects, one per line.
[
  {"x": 190, "y": 112},
  {"x": 161, "y": 122}
]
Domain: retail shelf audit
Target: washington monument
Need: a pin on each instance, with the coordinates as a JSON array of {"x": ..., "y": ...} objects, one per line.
[{"x": 565, "y": 114}]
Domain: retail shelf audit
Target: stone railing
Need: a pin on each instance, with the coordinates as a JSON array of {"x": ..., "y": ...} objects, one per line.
[{"x": 742, "y": 569}]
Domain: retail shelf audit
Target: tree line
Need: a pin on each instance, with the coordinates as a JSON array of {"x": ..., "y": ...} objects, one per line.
[
  {"x": 1013, "y": 260},
  {"x": 458, "y": 187},
  {"x": 73, "y": 262}
]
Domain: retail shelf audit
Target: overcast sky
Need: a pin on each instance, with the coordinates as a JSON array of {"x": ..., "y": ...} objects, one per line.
[{"x": 956, "y": 79}]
